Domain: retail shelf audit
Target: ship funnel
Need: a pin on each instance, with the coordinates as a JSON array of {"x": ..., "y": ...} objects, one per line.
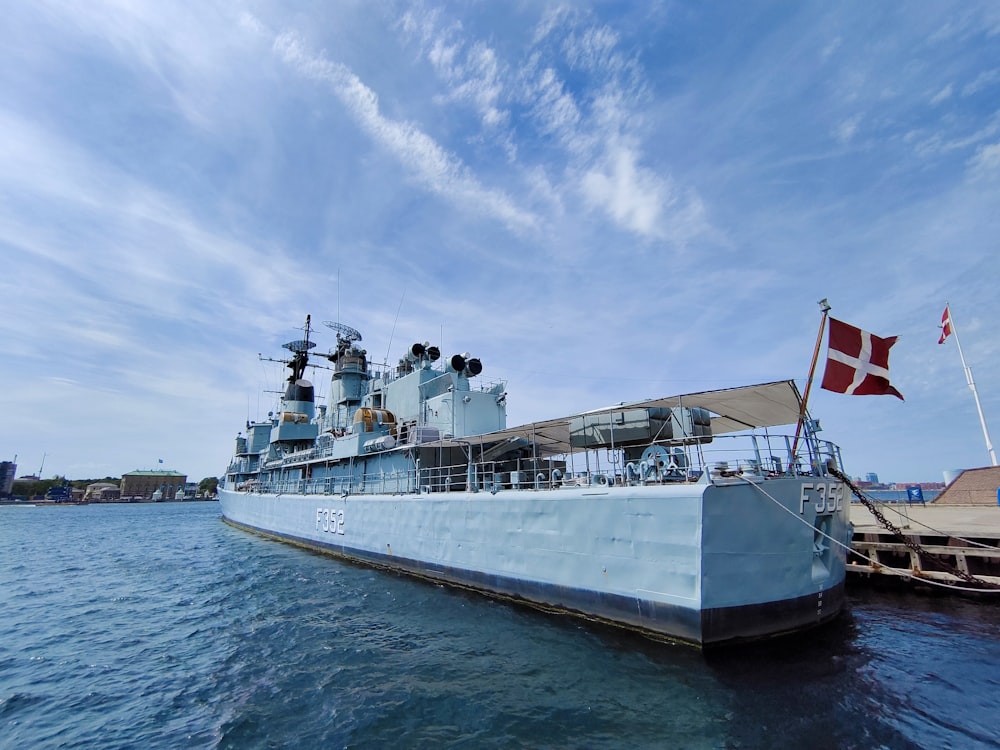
[{"x": 300, "y": 391}]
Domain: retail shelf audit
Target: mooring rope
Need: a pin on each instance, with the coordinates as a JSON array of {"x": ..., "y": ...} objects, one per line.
[
  {"x": 915, "y": 546},
  {"x": 991, "y": 588},
  {"x": 970, "y": 542}
]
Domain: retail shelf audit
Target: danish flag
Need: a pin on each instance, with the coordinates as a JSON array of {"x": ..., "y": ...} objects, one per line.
[
  {"x": 945, "y": 324},
  {"x": 857, "y": 362}
]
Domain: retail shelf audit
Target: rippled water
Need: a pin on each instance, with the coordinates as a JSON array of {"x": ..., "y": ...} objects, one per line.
[{"x": 158, "y": 626}]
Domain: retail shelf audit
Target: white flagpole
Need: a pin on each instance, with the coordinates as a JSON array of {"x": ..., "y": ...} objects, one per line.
[{"x": 972, "y": 387}]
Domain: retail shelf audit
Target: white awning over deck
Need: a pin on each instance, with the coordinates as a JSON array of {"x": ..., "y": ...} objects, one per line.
[{"x": 732, "y": 409}]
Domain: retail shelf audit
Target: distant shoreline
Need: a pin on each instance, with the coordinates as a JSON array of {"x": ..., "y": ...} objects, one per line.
[{"x": 37, "y": 503}]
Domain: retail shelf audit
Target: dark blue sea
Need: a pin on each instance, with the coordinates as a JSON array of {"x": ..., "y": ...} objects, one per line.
[{"x": 158, "y": 626}]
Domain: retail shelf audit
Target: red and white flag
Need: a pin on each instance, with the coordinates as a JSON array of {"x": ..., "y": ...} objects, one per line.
[
  {"x": 857, "y": 362},
  {"x": 945, "y": 324}
]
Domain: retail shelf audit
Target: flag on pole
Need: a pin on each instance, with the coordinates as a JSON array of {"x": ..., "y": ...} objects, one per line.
[
  {"x": 857, "y": 362},
  {"x": 945, "y": 324}
]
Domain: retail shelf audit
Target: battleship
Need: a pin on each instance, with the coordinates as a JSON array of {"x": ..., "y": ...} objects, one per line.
[{"x": 689, "y": 518}]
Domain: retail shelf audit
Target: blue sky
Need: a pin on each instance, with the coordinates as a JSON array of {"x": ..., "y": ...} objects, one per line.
[{"x": 603, "y": 201}]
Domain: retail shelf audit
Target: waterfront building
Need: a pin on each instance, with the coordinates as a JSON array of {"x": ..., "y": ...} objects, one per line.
[
  {"x": 973, "y": 487},
  {"x": 8, "y": 470},
  {"x": 102, "y": 492},
  {"x": 187, "y": 491},
  {"x": 144, "y": 485}
]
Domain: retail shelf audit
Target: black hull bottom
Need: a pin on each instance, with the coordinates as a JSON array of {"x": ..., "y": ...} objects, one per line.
[{"x": 706, "y": 628}]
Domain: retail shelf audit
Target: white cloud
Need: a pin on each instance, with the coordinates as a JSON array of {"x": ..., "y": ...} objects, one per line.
[
  {"x": 554, "y": 17},
  {"x": 986, "y": 160},
  {"x": 984, "y": 80},
  {"x": 471, "y": 69},
  {"x": 942, "y": 95},
  {"x": 831, "y": 48},
  {"x": 594, "y": 49},
  {"x": 117, "y": 241},
  {"x": 437, "y": 169},
  {"x": 479, "y": 83},
  {"x": 846, "y": 130},
  {"x": 553, "y": 107},
  {"x": 631, "y": 195}
]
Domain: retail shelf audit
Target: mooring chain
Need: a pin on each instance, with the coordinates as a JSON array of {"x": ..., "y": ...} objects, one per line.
[{"x": 868, "y": 503}]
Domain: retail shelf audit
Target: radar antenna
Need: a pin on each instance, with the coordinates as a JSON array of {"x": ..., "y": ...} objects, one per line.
[
  {"x": 300, "y": 348},
  {"x": 345, "y": 337},
  {"x": 343, "y": 331}
]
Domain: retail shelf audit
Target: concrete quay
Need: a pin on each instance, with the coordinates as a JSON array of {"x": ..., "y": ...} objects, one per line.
[{"x": 962, "y": 537}]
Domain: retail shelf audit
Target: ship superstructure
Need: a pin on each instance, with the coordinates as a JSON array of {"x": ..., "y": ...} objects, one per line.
[{"x": 684, "y": 517}]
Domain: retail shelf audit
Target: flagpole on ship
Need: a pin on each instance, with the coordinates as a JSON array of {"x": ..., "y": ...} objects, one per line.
[
  {"x": 948, "y": 327},
  {"x": 825, "y": 307}
]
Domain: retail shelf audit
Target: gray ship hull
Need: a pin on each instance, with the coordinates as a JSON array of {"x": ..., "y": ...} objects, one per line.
[{"x": 699, "y": 563}]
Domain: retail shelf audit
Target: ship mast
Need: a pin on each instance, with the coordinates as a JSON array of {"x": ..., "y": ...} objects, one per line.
[
  {"x": 825, "y": 308},
  {"x": 300, "y": 353}
]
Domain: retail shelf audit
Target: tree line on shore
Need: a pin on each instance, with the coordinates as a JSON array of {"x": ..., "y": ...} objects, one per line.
[{"x": 38, "y": 487}]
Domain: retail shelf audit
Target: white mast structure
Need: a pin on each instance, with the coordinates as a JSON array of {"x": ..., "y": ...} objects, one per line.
[{"x": 948, "y": 326}]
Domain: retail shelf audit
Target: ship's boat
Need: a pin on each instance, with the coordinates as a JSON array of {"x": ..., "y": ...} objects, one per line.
[{"x": 687, "y": 517}]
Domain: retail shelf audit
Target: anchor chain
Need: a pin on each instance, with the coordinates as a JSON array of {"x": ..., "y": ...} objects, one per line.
[{"x": 896, "y": 531}]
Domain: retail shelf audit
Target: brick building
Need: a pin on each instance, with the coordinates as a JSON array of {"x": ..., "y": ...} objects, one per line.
[{"x": 143, "y": 484}]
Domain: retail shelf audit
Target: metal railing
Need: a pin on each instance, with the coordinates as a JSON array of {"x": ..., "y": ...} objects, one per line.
[{"x": 670, "y": 462}]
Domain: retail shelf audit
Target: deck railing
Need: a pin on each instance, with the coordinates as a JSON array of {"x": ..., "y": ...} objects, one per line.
[{"x": 725, "y": 459}]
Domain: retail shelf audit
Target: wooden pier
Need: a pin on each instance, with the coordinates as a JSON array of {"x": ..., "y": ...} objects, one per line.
[{"x": 965, "y": 538}]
